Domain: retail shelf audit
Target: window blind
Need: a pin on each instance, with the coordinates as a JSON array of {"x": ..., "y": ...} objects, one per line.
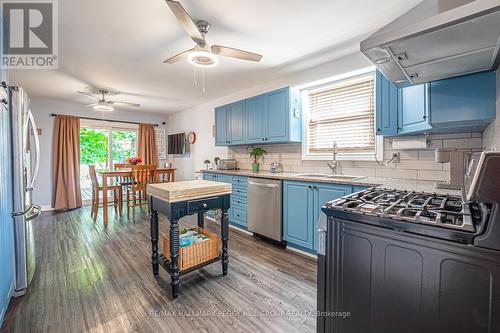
[{"x": 342, "y": 112}]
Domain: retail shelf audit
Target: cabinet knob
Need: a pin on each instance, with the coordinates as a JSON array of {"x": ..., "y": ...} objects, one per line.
[
  {"x": 263, "y": 139},
  {"x": 4, "y": 84},
  {"x": 4, "y": 101},
  {"x": 204, "y": 205},
  {"x": 424, "y": 117},
  {"x": 378, "y": 129}
]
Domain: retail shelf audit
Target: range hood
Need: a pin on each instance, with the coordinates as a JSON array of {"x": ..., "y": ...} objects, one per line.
[{"x": 437, "y": 39}]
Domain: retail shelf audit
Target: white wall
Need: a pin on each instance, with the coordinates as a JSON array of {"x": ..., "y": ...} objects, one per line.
[
  {"x": 42, "y": 108},
  {"x": 200, "y": 119},
  {"x": 491, "y": 136}
]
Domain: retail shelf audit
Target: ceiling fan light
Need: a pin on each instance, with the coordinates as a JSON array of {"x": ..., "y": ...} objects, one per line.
[
  {"x": 103, "y": 107},
  {"x": 203, "y": 59}
]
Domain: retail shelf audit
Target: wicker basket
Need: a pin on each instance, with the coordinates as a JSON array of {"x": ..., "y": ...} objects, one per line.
[{"x": 196, "y": 254}]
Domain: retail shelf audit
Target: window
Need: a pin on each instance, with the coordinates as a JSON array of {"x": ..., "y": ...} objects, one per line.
[
  {"x": 341, "y": 111},
  {"x": 103, "y": 144}
]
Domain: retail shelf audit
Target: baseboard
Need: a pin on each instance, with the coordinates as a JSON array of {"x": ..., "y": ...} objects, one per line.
[
  {"x": 307, "y": 254},
  {"x": 46, "y": 208},
  {"x": 241, "y": 230}
]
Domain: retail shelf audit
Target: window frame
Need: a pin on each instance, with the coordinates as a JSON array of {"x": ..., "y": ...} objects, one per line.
[
  {"x": 378, "y": 152},
  {"x": 110, "y": 127}
]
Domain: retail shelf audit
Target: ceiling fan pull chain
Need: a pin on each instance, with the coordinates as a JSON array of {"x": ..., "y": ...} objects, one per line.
[
  {"x": 203, "y": 77},
  {"x": 195, "y": 83}
]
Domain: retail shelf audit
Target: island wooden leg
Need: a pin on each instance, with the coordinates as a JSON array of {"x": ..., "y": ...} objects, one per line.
[
  {"x": 224, "y": 229},
  {"x": 174, "y": 255},
  {"x": 154, "y": 239},
  {"x": 201, "y": 219}
]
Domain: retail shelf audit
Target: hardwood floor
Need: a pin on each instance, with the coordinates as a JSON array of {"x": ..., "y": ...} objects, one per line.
[{"x": 89, "y": 278}]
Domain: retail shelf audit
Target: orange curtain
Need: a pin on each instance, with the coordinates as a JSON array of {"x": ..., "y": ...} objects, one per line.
[
  {"x": 66, "y": 163},
  {"x": 147, "y": 144}
]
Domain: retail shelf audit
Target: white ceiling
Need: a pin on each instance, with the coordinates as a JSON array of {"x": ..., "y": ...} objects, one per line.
[{"x": 122, "y": 44}]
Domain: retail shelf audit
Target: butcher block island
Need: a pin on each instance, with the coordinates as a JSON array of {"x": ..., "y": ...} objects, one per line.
[{"x": 192, "y": 248}]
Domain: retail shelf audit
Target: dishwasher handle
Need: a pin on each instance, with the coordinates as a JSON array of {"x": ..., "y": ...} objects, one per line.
[{"x": 262, "y": 184}]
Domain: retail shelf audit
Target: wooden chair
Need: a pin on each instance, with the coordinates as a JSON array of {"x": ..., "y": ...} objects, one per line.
[
  {"x": 97, "y": 188},
  {"x": 123, "y": 181},
  {"x": 165, "y": 176},
  {"x": 142, "y": 175}
]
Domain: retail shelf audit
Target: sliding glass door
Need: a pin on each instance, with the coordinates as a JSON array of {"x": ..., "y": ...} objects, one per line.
[{"x": 104, "y": 144}]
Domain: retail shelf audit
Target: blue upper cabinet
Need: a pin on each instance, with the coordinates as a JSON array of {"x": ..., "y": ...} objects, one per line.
[
  {"x": 463, "y": 101},
  {"x": 460, "y": 104},
  {"x": 221, "y": 126},
  {"x": 413, "y": 109},
  {"x": 386, "y": 106},
  {"x": 255, "y": 113},
  {"x": 236, "y": 120},
  {"x": 271, "y": 117},
  {"x": 278, "y": 116}
]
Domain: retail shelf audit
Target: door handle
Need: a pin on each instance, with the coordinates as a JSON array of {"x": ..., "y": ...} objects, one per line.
[{"x": 34, "y": 176}]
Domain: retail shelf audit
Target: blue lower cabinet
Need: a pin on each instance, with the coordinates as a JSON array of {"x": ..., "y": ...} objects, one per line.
[
  {"x": 322, "y": 194},
  {"x": 302, "y": 203},
  {"x": 298, "y": 213},
  {"x": 238, "y": 211},
  {"x": 358, "y": 188}
]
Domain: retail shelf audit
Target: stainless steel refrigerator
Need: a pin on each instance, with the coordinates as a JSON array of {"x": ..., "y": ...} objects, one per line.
[{"x": 25, "y": 164}]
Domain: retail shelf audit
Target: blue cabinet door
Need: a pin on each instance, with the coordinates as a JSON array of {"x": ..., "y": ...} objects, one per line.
[
  {"x": 277, "y": 116},
  {"x": 298, "y": 213},
  {"x": 236, "y": 118},
  {"x": 221, "y": 127},
  {"x": 255, "y": 109},
  {"x": 386, "y": 106},
  {"x": 413, "y": 109},
  {"x": 463, "y": 101},
  {"x": 322, "y": 194}
]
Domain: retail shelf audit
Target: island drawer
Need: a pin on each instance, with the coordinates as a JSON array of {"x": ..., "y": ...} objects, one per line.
[{"x": 194, "y": 206}]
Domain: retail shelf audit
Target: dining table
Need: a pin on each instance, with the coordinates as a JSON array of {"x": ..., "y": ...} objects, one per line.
[{"x": 123, "y": 172}]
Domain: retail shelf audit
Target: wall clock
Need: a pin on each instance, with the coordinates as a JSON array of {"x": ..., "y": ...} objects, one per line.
[{"x": 191, "y": 137}]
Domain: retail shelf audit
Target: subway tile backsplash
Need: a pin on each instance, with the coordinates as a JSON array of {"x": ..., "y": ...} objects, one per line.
[{"x": 414, "y": 164}]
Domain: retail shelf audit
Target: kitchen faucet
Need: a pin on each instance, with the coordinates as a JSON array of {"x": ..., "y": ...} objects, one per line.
[{"x": 334, "y": 165}]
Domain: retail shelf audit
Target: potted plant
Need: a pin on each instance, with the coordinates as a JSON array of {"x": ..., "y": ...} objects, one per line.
[{"x": 255, "y": 154}]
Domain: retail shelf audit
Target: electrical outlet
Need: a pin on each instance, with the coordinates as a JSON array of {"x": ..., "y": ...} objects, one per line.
[{"x": 396, "y": 157}]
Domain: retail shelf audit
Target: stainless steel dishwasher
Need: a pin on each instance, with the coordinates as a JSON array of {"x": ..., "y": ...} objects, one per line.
[{"x": 264, "y": 207}]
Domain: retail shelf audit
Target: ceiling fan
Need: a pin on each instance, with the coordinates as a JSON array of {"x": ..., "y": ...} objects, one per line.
[
  {"x": 203, "y": 55},
  {"x": 102, "y": 104}
]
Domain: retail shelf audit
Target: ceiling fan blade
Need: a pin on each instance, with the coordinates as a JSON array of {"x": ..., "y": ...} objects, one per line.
[
  {"x": 123, "y": 103},
  {"x": 88, "y": 95},
  {"x": 186, "y": 21},
  {"x": 235, "y": 53},
  {"x": 91, "y": 104},
  {"x": 178, "y": 57}
]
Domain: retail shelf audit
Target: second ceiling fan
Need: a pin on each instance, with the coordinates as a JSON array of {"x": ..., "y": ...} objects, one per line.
[{"x": 203, "y": 55}]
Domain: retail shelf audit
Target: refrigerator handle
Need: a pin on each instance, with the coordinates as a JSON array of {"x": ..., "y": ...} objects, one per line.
[{"x": 34, "y": 177}]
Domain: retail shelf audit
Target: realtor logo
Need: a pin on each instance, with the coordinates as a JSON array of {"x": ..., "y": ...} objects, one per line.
[{"x": 30, "y": 36}]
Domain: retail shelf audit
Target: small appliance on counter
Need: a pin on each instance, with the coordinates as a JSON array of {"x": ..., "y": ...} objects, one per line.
[
  {"x": 226, "y": 164},
  {"x": 424, "y": 261},
  {"x": 276, "y": 167}
]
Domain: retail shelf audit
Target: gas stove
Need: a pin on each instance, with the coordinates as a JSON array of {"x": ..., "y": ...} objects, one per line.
[{"x": 443, "y": 211}]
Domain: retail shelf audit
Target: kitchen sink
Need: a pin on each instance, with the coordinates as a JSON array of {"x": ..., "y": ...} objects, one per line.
[
  {"x": 329, "y": 176},
  {"x": 315, "y": 175},
  {"x": 344, "y": 177}
]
